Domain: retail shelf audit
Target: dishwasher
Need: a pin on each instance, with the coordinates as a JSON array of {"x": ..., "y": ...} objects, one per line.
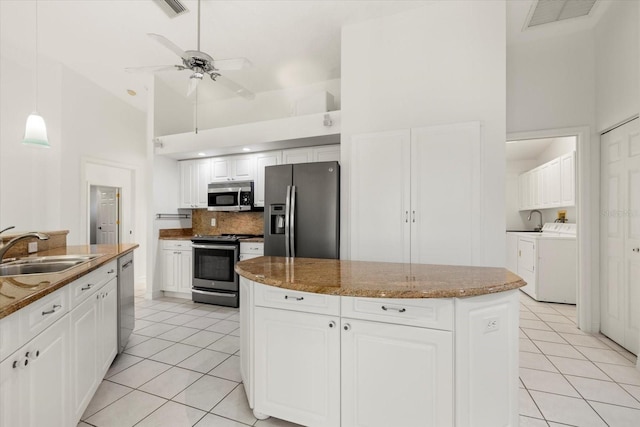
[{"x": 126, "y": 302}]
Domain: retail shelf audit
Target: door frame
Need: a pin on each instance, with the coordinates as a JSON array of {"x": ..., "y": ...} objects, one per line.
[{"x": 587, "y": 208}]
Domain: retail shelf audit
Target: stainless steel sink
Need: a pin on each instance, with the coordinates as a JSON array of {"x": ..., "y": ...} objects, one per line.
[{"x": 43, "y": 265}]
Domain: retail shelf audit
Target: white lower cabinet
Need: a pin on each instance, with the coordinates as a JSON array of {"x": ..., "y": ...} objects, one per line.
[
  {"x": 297, "y": 362},
  {"x": 34, "y": 381},
  {"x": 177, "y": 266},
  {"x": 331, "y": 361},
  {"x": 94, "y": 340},
  {"x": 396, "y": 375}
]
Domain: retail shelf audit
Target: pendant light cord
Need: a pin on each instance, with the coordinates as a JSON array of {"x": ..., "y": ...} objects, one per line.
[
  {"x": 198, "y": 25},
  {"x": 36, "y": 58},
  {"x": 196, "y": 112}
]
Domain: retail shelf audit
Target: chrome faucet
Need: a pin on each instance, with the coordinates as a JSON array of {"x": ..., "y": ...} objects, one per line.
[
  {"x": 539, "y": 227},
  {"x": 4, "y": 248},
  {"x": 8, "y": 228}
]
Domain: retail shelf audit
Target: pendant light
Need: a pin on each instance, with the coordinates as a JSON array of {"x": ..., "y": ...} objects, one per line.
[{"x": 35, "y": 132}]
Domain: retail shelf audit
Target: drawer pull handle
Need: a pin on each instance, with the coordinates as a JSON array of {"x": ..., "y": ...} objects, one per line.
[
  {"x": 293, "y": 298},
  {"x": 111, "y": 271},
  {"x": 89, "y": 286},
  {"x": 400, "y": 310},
  {"x": 53, "y": 310},
  {"x": 33, "y": 355}
]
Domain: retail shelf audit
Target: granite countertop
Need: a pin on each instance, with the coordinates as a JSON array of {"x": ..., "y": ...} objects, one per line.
[
  {"x": 377, "y": 279},
  {"x": 17, "y": 292},
  {"x": 253, "y": 240},
  {"x": 176, "y": 238}
]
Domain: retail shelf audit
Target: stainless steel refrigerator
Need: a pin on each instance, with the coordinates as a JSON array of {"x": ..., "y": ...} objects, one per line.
[{"x": 302, "y": 210}]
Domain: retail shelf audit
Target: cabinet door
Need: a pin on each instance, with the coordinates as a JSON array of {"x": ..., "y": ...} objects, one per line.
[
  {"x": 445, "y": 194},
  {"x": 380, "y": 197},
  {"x": 47, "y": 378},
  {"x": 169, "y": 270},
  {"x": 545, "y": 192},
  {"x": 568, "y": 180},
  {"x": 297, "y": 366},
  {"x": 297, "y": 155},
  {"x": 527, "y": 264},
  {"x": 12, "y": 390},
  {"x": 326, "y": 153},
  {"x": 525, "y": 190},
  {"x": 396, "y": 375},
  {"x": 262, "y": 161},
  {"x": 84, "y": 355},
  {"x": 246, "y": 338},
  {"x": 553, "y": 185},
  {"x": 186, "y": 168},
  {"x": 185, "y": 271},
  {"x": 244, "y": 168},
  {"x": 108, "y": 326},
  {"x": 221, "y": 169},
  {"x": 512, "y": 253},
  {"x": 201, "y": 175}
]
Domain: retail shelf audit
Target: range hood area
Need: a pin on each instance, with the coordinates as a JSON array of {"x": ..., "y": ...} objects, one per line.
[{"x": 289, "y": 132}]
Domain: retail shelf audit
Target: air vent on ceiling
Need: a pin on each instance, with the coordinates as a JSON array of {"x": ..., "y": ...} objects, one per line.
[
  {"x": 172, "y": 8},
  {"x": 547, "y": 11}
]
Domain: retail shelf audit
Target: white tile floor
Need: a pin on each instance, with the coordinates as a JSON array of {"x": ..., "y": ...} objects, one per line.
[{"x": 181, "y": 368}]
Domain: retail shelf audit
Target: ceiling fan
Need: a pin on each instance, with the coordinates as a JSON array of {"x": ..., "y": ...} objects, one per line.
[{"x": 200, "y": 64}]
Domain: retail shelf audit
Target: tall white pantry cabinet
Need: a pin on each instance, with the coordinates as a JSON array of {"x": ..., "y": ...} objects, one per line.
[{"x": 415, "y": 195}]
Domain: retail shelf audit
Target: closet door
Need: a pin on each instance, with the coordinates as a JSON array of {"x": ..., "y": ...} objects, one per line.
[
  {"x": 620, "y": 235},
  {"x": 379, "y": 198},
  {"x": 445, "y": 194}
]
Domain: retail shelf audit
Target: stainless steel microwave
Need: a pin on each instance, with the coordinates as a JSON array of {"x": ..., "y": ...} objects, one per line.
[{"x": 231, "y": 196}]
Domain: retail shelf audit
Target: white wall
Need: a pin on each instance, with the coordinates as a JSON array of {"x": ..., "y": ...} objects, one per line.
[
  {"x": 175, "y": 113},
  {"x": 46, "y": 189},
  {"x": 616, "y": 50},
  {"x": 447, "y": 65},
  {"x": 557, "y": 148}
]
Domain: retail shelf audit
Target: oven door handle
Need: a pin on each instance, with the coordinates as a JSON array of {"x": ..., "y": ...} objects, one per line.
[
  {"x": 223, "y": 247},
  {"x": 216, "y": 294}
]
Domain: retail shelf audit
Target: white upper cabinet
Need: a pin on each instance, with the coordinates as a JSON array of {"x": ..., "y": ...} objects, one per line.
[
  {"x": 269, "y": 158},
  {"x": 415, "y": 195},
  {"x": 194, "y": 177},
  {"x": 551, "y": 185},
  {"x": 233, "y": 168},
  {"x": 326, "y": 153},
  {"x": 297, "y": 155}
]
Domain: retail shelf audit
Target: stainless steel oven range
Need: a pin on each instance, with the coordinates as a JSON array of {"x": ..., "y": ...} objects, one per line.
[{"x": 214, "y": 278}]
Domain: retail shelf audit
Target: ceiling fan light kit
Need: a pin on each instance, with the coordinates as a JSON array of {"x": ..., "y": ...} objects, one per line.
[{"x": 35, "y": 132}]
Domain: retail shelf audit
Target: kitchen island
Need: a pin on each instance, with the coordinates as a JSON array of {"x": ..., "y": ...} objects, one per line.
[{"x": 351, "y": 343}]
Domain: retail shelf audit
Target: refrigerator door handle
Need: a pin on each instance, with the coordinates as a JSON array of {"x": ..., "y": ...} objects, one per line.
[
  {"x": 287, "y": 210},
  {"x": 292, "y": 214}
]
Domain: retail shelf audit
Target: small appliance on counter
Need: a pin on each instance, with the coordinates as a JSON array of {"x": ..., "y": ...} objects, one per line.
[
  {"x": 302, "y": 210},
  {"x": 214, "y": 278}
]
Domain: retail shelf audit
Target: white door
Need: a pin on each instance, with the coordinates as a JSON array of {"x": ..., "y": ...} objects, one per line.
[
  {"x": 108, "y": 326},
  {"x": 445, "y": 194},
  {"x": 620, "y": 235},
  {"x": 380, "y": 196},
  {"x": 107, "y": 218},
  {"x": 297, "y": 366},
  {"x": 48, "y": 378},
  {"x": 395, "y": 375},
  {"x": 84, "y": 359}
]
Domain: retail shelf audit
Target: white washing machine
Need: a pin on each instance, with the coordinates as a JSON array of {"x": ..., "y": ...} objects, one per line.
[{"x": 547, "y": 261}]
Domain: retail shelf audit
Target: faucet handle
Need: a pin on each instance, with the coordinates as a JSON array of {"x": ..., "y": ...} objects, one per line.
[{"x": 8, "y": 228}]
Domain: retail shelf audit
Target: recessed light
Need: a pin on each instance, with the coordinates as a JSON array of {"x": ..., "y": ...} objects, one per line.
[
  {"x": 132, "y": 92},
  {"x": 246, "y": 149},
  {"x": 201, "y": 154}
]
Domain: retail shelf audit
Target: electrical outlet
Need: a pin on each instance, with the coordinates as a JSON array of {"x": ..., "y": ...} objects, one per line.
[
  {"x": 491, "y": 324},
  {"x": 32, "y": 247},
  {"x": 213, "y": 222}
]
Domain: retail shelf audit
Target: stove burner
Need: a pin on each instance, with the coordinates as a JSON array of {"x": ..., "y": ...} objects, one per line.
[{"x": 222, "y": 237}]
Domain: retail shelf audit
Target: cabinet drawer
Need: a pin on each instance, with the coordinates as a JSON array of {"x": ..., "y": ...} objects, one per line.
[
  {"x": 176, "y": 244},
  {"x": 41, "y": 314},
  {"x": 435, "y": 313},
  {"x": 87, "y": 285},
  {"x": 252, "y": 248},
  {"x": 269, "y": 296}
]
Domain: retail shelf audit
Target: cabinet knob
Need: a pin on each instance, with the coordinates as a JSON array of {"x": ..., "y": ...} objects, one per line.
[
  {"x": 636, "y": 249},
  {"x": 413, "y": 216},
  {"x": 346, "y": 327},
  {"x": 406, "y": 216},
  {"x": 332, "y": 324},
  {"x": 32, "y": 355}
]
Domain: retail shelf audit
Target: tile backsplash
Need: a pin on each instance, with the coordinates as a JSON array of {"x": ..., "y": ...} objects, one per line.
[{"x": 227, "y": 222}]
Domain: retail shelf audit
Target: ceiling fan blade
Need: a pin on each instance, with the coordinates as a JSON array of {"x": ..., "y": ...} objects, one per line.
[
  {"x": 168, "y": 44},
  {"x": 231, "y": 64},
  {"x": 235, "y": 87},
  {"x": 152, "y": 68},
  {"x": 193, "y": 85}
]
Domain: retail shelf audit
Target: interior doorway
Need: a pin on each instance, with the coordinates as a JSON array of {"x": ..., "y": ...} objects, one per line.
[{"x": 104, "y": 218}]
